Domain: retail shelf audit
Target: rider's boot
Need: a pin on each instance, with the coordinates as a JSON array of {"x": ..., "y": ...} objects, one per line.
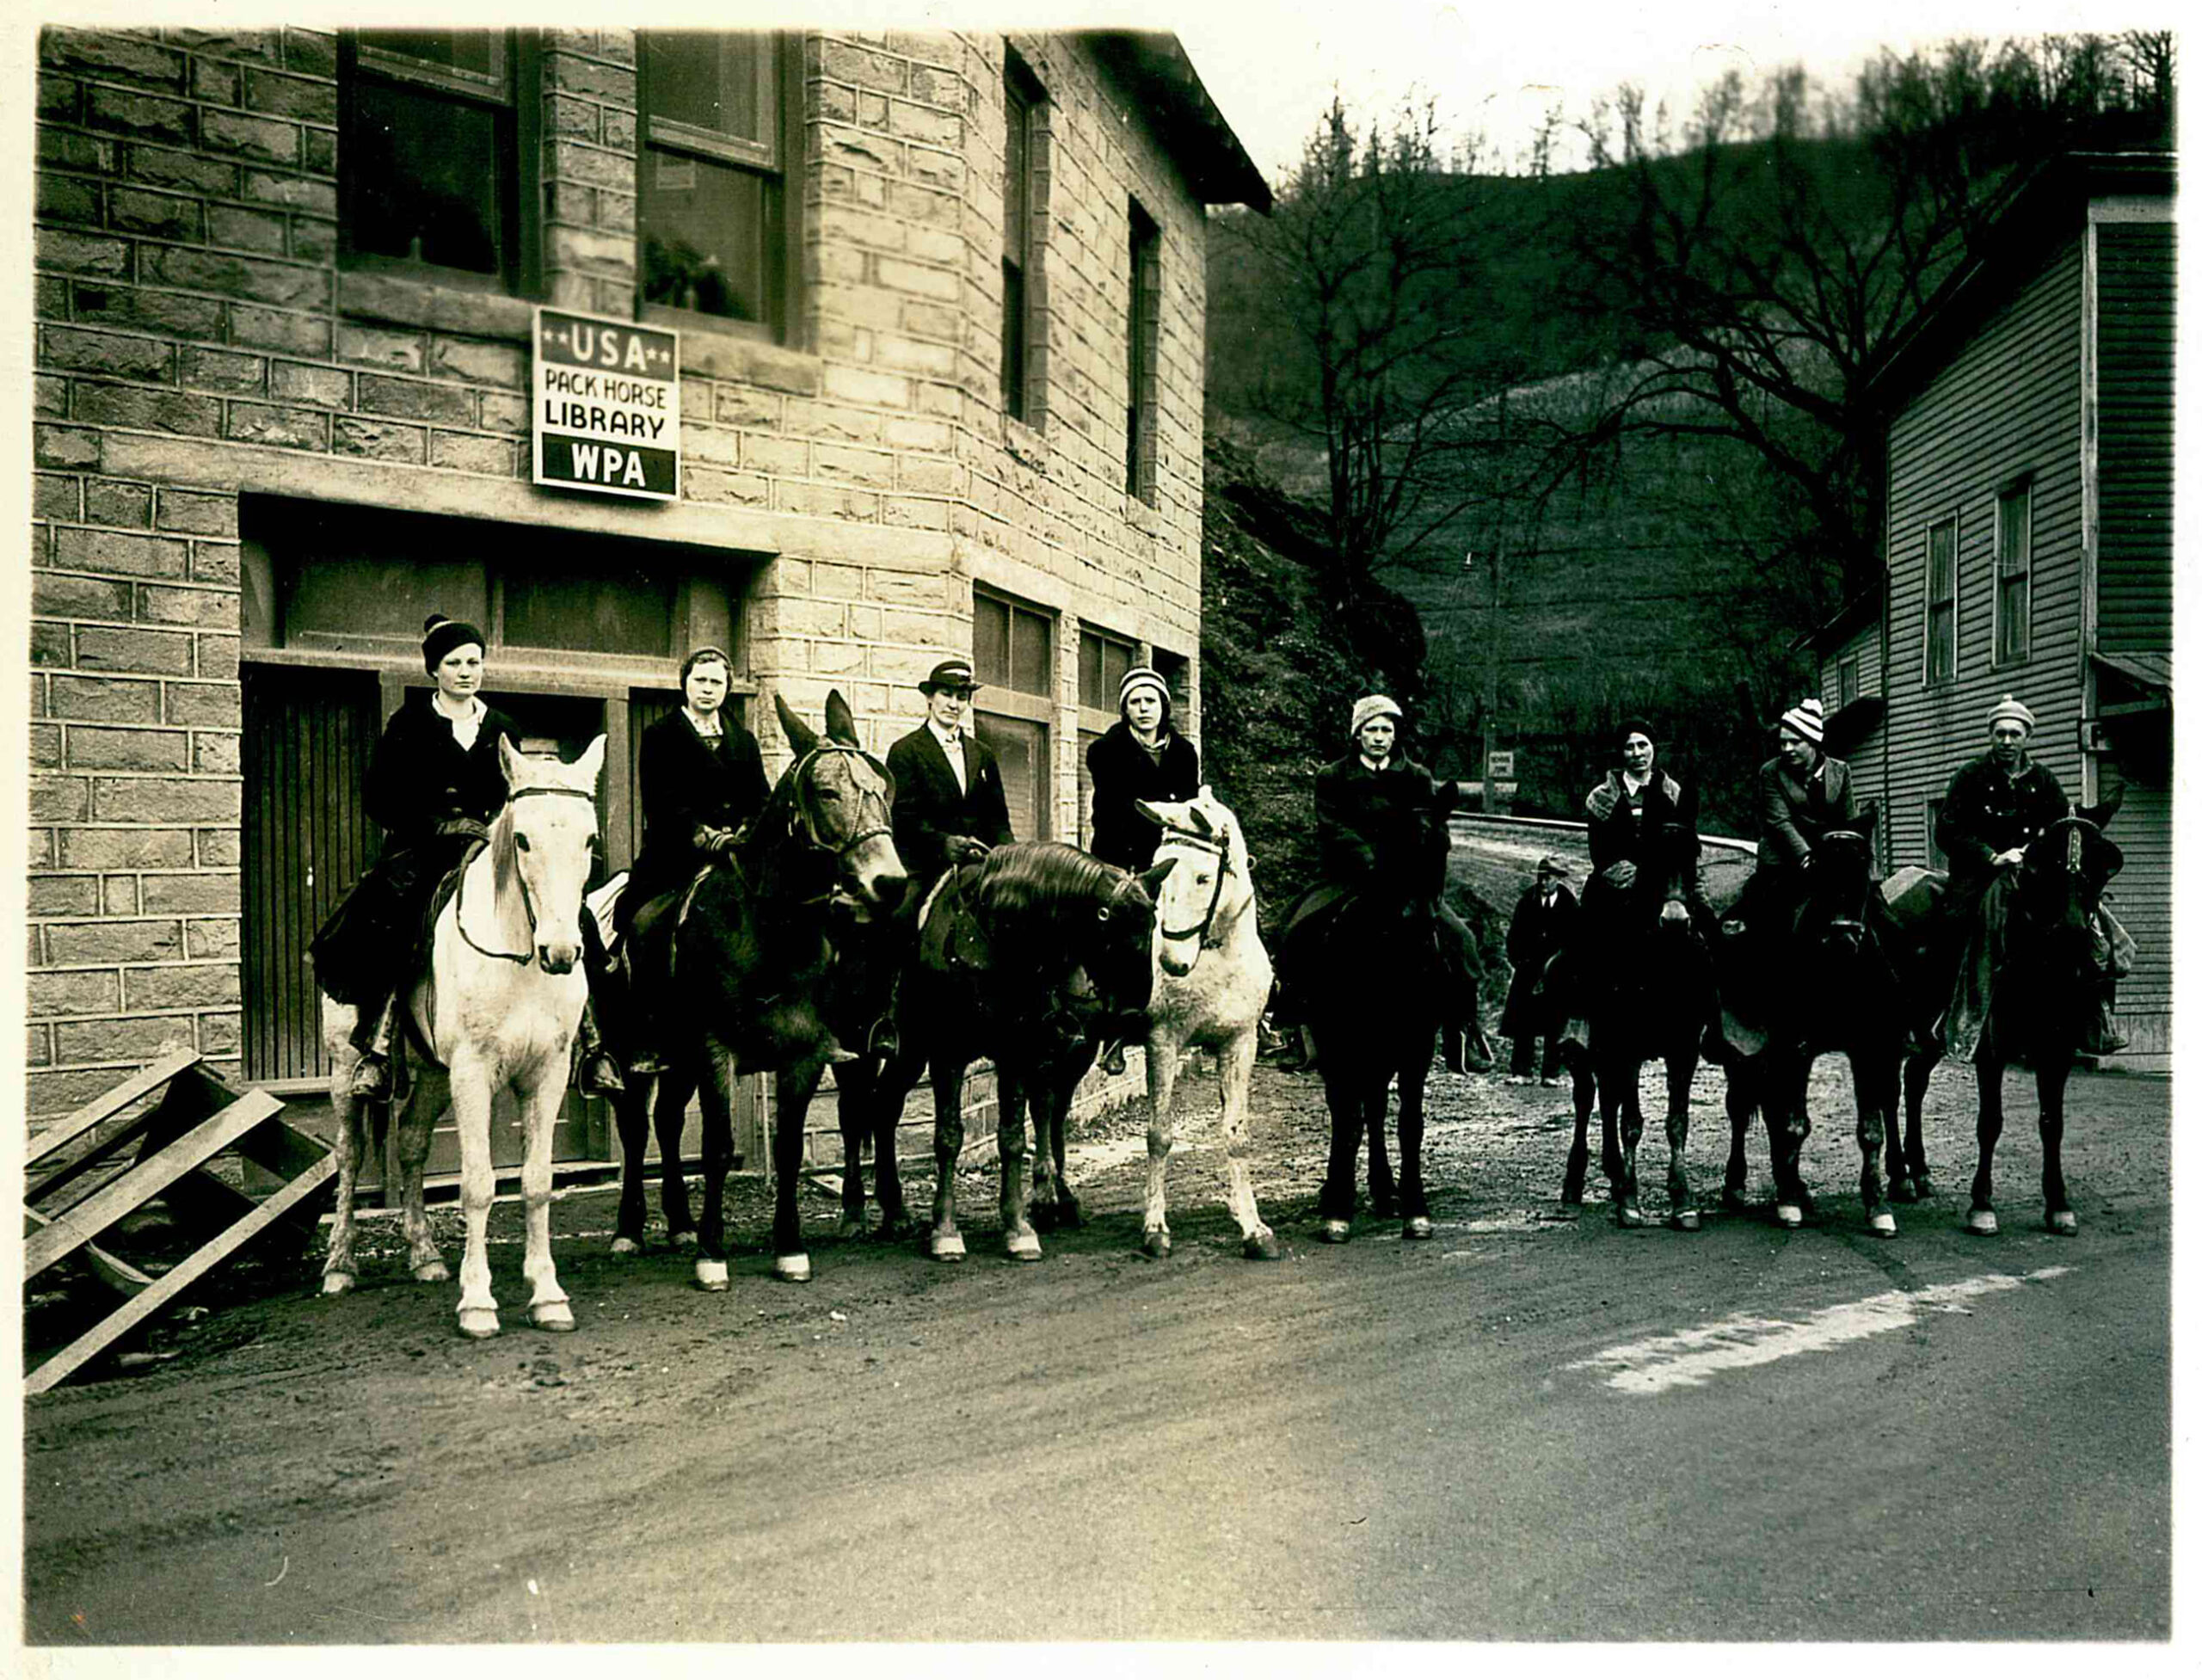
[
  {"x": 598, "y": 1074},
  {"x": 375, "y": 1036}
]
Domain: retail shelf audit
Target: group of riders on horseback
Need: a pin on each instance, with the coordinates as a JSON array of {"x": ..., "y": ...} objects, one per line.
[{"x": 819, "y": 897}]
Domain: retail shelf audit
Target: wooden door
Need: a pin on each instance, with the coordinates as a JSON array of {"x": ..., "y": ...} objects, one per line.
[{"x": 306, "y": 838}]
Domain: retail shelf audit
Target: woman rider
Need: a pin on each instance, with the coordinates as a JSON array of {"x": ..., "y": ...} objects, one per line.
[
  {"x": 1141, "y": 757},
  {"x": 434, "y": 785},
  {"x": 703, "y": 777},
  {"x": 1625, "y": 812},
  {"x": 1802, "y": 794}
]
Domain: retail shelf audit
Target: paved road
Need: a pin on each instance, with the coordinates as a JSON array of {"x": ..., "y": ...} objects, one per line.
[{"x": 1523, "y": 1430}]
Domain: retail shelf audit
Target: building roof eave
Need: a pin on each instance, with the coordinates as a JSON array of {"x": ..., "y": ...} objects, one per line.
[{"x": 1153, "y": 65}]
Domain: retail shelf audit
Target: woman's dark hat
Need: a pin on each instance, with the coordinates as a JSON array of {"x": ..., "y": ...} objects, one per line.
[
  {"x": 1630, "y": 726},
  {"x": 439, "y": 635},
  {"x": 950, "y": 673}
]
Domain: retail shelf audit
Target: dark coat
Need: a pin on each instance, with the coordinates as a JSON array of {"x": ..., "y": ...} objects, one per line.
[
  {"x": 419, "y": 780},
  {"x": 929, "y": 806},
  {"x": 688, "y": 783},
  {"x": 1381, "y": 825},
  {"x": 1122, "y": 772},
  {"x": 1532, "y": 939},
  {"x": 1985, "y": 812},
  {"x": 420, "y": 777},
  {"x": 1614, "y": 834},
  {"x": 1793, "y": 813}
]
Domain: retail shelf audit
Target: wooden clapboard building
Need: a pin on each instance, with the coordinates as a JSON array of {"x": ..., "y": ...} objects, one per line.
[
  {"x": 941, "y": 308},
  {"x": 2028, "y": 536}
]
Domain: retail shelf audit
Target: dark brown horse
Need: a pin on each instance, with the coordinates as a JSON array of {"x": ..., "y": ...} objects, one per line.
[
  {"x": 1023, "y": 957},
  {"x": 1640, "y": 975},
  {"x": 736, "y": 970},
  {"x": 2042, "y": 996}
]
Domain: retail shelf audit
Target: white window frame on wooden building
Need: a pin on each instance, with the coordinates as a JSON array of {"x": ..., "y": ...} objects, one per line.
[
  {"x": 2013, "y": 630},
  {"x": 1932, "y": 678}
]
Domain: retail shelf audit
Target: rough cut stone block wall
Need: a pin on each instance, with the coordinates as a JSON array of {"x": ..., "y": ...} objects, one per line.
[{"x": 199, "y": 340}]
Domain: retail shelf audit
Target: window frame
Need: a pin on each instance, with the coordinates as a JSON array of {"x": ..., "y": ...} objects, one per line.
[
  {"x": 997, "y": 697},
  {"x": 518, "y": 56},
  {"x": 1848, "y": 680},
  {"x": 1094, "y": 722},
  {"x": 1024, "y": 103},
  {"x": 2019, "y": 491},
  {"x": 782, "y": 78},
  {"x": 1142, "y": 358},
  {"x": 1929, "y": 677}
]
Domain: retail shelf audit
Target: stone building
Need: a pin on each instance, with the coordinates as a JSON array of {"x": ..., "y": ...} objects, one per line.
[{"x": 940, "y": 307}]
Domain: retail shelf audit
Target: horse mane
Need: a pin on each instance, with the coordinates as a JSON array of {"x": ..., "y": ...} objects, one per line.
[{"x": 1042, "y": 880}]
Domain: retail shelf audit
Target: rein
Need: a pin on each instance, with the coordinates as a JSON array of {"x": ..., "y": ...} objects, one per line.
[
  {"x": 1175, "y": 836},
  {"x": 526, "y": 898}
]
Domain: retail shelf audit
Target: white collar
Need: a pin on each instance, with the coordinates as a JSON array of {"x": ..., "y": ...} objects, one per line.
[
  {"x": 473, "y": 708},
  {"x": 1376, "y": 767},
  {"x": 947, "y": 738}
]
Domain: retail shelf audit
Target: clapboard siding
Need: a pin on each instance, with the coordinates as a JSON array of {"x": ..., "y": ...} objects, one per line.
[
  {"x": 2005, "y": 406},
  {"x": 2136, "y": 293}
]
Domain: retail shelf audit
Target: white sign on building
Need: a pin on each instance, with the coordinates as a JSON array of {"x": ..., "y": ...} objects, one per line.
[{"x": 607, "y": 406}]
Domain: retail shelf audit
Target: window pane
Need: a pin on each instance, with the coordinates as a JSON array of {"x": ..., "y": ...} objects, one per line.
[
  {"x": 708, "y": 80},
  {"x": 1115, "y": 664},
  {"x": 629, "y": 613},
  {"x": 1012, "y": 339},
  {"x": 704, "y": 235},
  {"x": 1085, "y": 740},
  {"x": 471, "y": 50},
  {"x": 990, "y": 640},
  {"x": 1031, "y": 666},
  {"x": 2011, "y": 533},
  {"x": 2011, "y": 619},
  {"x": 1014, "y": 181},
  {"x": 1021, "y": 749},
  {"x": 1846, "y": 682},
  {"x": 425, "y": 176},
  {"x": 1942, "y": 660},
  {"x": 1942, "y": 551}
]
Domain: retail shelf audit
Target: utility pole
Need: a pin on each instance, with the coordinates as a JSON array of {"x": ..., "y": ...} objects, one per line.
[{"x": 1491, "y": 625}]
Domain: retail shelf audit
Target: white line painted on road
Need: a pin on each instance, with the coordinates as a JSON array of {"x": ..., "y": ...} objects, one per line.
[{"x": 1688, "y": 1358}]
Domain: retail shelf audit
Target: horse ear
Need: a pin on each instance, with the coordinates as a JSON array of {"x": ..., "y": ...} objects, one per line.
[
  {"x": 1153, "y": 879},
  {"x": 800, "y": 735},
  {"x": 592, "y": 761},
  {"x": 1150, "y": 813},
  {"x": 514, "y": 766},
  {"x": 841, "y": 722},
  {"x": 2101, "y": 815},
  {"x": 1201, "y": 822}
]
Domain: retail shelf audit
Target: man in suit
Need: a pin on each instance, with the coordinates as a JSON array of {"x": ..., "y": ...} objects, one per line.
[
  {"x": 949, "y": 800},
  {"x": 1543, "y": 919}
]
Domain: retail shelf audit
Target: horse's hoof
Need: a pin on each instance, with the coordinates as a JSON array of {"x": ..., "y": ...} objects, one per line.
[
  {"x": 434, "y": 1273},
  {"x": 1733, "y": 1198},
  {"x": 478, "y": 1322},
  {"x": 2064, "y": 1223},
  {"x": 1901, "y": 1190},
  {"x": 711, "y": 1276},
  {"x": 1262, "y": 1245},
  {"x": 949, "y": 1248},
  {"x": 1156, "y": 1244},
  {"x": 684, "y": 1242},
  {"x": 792, "y": 1268},
  {"x": 552, "y": 1315},
  {"x": 1789, "y": 1216},
  {"x": 1684, "y": 1219},
  {"x": 1981, "y": 1222},
  {"x": 624, "y": 1246},
  {"x": 1333, "y": 1230},
  {"x": 1627, "y": 1215},
  {"x": 337, "y": 1282},
  {"x": 1417, "y": 1229},
  {"x": 1023, "y": 1245},
  {"x": 1882, "y": 1224}
]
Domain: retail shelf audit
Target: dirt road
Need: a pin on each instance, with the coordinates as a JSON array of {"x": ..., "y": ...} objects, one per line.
[{"x": 1525, "y": 1429}]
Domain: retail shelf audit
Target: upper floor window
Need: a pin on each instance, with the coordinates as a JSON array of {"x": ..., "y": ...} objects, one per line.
[
  {"x": 1846, "y": 681},
  {"x": 2013, "y": 572},
  {"x": 1142, "y": 371},
  {"x": 713, "y": 215},
  {"x": 1022, "y": 98},
  {"x": 1943, "y": 601},
  {"x": 431, "y": 163}
]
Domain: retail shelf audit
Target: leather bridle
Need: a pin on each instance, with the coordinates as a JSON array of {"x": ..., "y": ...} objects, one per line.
[
  {"x": 526, "y": 898},
  {"x": 1174, "y": 835}
]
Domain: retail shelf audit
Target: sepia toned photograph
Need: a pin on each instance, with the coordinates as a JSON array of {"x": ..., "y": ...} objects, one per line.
[{"x": 1252, "y": 831}]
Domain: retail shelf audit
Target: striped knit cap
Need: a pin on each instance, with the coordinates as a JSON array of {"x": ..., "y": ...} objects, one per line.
[{"x": 1804, "y": 718}]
